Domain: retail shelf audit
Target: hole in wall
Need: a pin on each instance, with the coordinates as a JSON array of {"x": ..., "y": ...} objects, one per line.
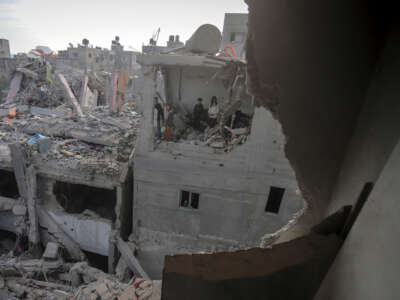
[
  {"x": 97, "y": 260},
  {"x": 8, "y": 185},
  {"x": 76, "y": 198},
  {"x": 7, "y": 241}
]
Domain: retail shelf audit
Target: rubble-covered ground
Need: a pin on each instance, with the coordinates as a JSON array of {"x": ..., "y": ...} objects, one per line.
[
  {"x": 98, "y": 140},
  {"x": 51, "y": 278},
  {"x": 46, "y": 119}
]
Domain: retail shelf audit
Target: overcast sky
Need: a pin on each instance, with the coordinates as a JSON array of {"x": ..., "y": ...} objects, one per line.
[{"x": 54, "y": 23}]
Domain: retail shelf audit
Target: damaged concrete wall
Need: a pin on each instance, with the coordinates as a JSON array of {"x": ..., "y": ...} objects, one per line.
[
  {"x": 312, "y": 72},
  {"x": 377, "y": 131},
  {"x": 336, "y": 97},
  {"x": 278, "y": 272},
  {"x": 367, "y": 266},
  {"x": 370, "y": 250},
  {"x": 186, "y": 84},
  {"x": 233, "y": 190}
]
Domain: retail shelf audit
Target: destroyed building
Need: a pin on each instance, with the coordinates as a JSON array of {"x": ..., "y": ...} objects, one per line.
[
  {"x": 236, "y": 196},
  {"x": 66, "y": 171},
  {"x": 96, "y": 58}
]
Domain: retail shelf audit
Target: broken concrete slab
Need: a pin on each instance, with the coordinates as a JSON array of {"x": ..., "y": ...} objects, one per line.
[
  {"x": 130, "y": 259},
  {"x": 14, "y": 87},
  {"x": 62, "y": 113},
  {"x": 70, "y": 95},
  {"x": 28, "y": 73},
  {"x": 52, "y": 251},
  {"x": 86, "y": 137},
  {"x": 59, "y": 235}
]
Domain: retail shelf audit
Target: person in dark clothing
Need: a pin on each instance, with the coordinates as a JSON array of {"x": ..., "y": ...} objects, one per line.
[
  {"x": 198, "y": 115},
  {"x": 160, "y": 117}
]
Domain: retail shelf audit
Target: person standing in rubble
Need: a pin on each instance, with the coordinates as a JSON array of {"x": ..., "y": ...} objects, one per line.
[
  {"x": 213, "y": 112},
  {"x": 198, "y": 114},
  {"x": 169, "y": 125},
  {"x": 160, "y": 117}
]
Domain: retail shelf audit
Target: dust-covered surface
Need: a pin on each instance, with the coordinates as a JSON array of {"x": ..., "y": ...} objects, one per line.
[
  {"x": 50, "y": 279},
  {"x": 41, "y": 118}
]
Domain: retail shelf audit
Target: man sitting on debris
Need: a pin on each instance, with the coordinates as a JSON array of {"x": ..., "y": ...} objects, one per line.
[
  {"x": 169, "y": 125},
  {"x": 213, "y": 112},
  {"x": 198, "y": 115},
  {"x": 160, "y": 117}
]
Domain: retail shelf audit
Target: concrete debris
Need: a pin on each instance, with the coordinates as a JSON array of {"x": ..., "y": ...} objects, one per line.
[
  {"x": 38, "y": 279},
  {"x": 51, "y": 124},
  {"x": 223, "y": 125},
  {"x": 130, "y": 259},
  {"x": 52, "y": 251},
  {"x": 100, "y": 143}
]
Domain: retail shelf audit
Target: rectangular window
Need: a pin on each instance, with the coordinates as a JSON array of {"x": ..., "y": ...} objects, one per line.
[
  {"x": 274, "y": 199},
  {"x": 189, "y": 200}
]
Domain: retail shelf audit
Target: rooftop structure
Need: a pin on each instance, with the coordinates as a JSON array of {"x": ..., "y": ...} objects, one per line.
[{"x": 4, "y": 48}]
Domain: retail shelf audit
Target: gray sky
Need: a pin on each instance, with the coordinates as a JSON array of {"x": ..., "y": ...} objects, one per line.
[{"x": 54, "y": 23}]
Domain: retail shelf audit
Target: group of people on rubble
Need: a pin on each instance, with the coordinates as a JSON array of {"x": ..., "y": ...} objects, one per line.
[{"x": 200, "y": 115}]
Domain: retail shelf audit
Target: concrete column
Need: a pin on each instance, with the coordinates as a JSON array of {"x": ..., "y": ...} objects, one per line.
[{"x": 146, "y": 140}]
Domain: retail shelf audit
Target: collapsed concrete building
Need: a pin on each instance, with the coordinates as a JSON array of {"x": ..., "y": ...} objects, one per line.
[
  {"x": 66, "y": 181},
  {"x": 98, "y": 59},
  {"x": 235, "y": 197},
  {"x": 338, "y": 108},
  {"x": 75, "y": 162}
]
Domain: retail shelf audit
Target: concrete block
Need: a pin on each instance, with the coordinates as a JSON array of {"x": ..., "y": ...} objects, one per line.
[
  {"x": 19, "y": 210},
  {"x": 52, "y": 251}
]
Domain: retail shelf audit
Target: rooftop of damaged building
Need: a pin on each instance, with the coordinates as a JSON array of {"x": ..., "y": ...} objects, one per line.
[
  {"x": 54, "y": 116},
  {"x": 205, "y": 70}
]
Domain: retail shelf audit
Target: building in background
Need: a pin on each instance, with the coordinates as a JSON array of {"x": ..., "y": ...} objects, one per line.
[
  {"x": 4, "y": 48},
  {"x": 235, "y": 33}
]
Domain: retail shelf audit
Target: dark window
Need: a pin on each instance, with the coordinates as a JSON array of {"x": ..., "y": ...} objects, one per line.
[
  {"x": 76, "y": 198},
  {"x": 274, "y": 199},
  {"x": 195, "y": 200},
  {"x": 90, "y": 55},
  {"x": 189, "y": 199},
  {"x": 8, "y": 185},
  {"x": 75, "y": 54}
]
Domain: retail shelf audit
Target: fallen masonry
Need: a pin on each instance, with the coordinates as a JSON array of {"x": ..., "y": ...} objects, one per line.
[{"x": 65, "y": 190}]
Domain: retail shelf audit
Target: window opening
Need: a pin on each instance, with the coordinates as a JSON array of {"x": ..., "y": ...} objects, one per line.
[
  {"x": 274, "y": 199},
  {"x": 189, "y": 200},
  {"x": 8, "y": 185},
  {"x": 76, "y": 198}
]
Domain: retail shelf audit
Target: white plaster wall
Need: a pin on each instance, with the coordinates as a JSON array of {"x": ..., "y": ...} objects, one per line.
[
  {"x": 195, "y": 82},
  {"x": 91, "y": 234}
]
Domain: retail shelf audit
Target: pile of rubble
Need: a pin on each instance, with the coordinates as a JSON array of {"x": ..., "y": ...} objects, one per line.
[
  {"x": 223, "y": 137},
  {"x": 232, "y": 126},
  {"x": 50, "y": 278},
  {"x": 43, "y": 112}
]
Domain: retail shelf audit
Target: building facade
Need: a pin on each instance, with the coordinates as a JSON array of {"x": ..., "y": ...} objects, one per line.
[{"x": 235, "y": 198}]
